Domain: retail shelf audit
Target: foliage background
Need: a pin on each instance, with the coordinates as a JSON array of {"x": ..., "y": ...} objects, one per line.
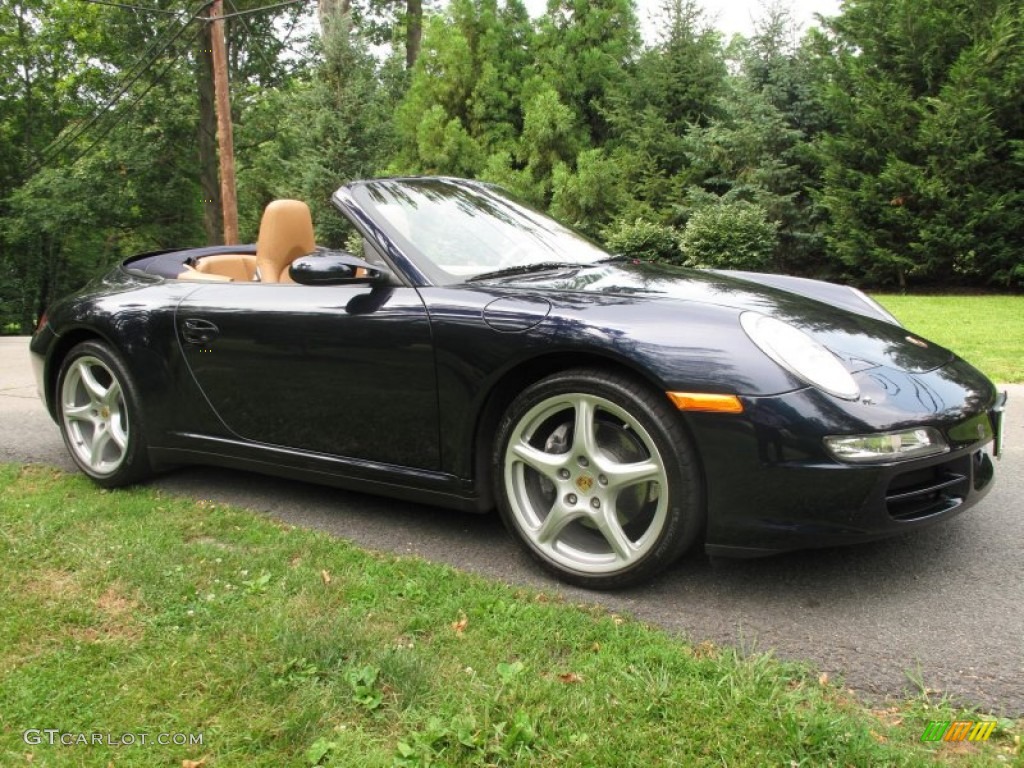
[{"x": 885, "y": 148}]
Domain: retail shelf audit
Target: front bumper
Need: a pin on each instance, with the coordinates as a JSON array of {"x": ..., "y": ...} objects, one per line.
[{"x": 772, "y": 487}]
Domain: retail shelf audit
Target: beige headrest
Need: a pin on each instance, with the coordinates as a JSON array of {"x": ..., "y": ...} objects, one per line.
[{"x": 286, "y": 232}]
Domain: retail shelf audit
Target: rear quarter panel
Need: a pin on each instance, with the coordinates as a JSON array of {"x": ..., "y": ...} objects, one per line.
[{"x": 134, "y": 316}]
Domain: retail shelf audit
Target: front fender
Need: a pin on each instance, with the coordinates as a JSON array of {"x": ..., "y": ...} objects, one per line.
[{"x": 834, "y": 294}]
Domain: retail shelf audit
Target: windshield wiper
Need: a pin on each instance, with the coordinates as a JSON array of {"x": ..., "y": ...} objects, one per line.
[{"x": 526, "y": 269}]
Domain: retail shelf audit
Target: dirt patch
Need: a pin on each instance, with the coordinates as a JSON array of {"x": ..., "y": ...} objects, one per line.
[
  {"x": 53, "y": 585},
  {"x": 114, "y": 604},
  {"x": 117, "y": 618},
  {"x": 115, "y": 609}
]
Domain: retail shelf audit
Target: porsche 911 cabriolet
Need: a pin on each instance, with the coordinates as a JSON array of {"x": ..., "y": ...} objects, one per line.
[{"x": 473, "y": 353}]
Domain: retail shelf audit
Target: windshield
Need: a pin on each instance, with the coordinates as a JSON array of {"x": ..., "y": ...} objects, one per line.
[{"x": 455, "y": 231}]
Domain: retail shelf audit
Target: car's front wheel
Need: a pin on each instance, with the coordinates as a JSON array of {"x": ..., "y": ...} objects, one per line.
[
  {"x": 97, "y": 408},
  {"x": 597, "y": 478}
]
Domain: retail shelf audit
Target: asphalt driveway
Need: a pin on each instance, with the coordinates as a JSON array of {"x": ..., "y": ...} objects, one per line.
[{"x": 943, "y": 609}]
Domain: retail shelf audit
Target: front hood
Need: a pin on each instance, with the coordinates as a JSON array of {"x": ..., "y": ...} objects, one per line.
[{"x": 862, "y": 342}]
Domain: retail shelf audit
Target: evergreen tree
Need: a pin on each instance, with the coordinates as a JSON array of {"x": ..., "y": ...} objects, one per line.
[
  {"x": 464, "y": 102},
  {"x": 320, "y": 132},
  {"x": 584, "y": 49},
  {"x": 675, "y": 86},
  {"x": 923, "y": 174}
]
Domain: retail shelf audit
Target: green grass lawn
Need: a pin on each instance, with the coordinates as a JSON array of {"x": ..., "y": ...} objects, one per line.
[
  {"x": 136, "y": 613},
  {"x": 987, "y": 331}
]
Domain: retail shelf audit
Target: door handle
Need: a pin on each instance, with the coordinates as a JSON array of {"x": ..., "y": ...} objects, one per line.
[{"x": 196, "y": 331}]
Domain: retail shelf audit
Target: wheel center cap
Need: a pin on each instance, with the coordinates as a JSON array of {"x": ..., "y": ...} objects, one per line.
[
  {"x": 104, "y": 413},
  {"x": 585, "y": 483}
]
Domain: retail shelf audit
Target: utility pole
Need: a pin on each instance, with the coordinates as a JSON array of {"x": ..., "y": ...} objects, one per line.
[{"x": 225, "y": 137}]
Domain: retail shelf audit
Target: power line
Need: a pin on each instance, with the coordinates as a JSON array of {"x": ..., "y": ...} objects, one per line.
[
  {"x": 132, "y": 7},
  {"x": 286, "y": 43},
  {"x": 262, "y": 55},
  {"x": 61, "y": 143},
  {"x": 255, "y": 10},
  {"x": 67, "y": 138},
  {"x": 127, "y": 110},
  {"x": 65, "y": 142}
]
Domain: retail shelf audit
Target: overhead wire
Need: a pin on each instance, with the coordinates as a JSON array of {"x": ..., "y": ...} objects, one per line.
[
  {"x": 147, "y": 60},
  {"x": 135, "y": 102},
  {"x": 248, "y": 29},
  {"x": 286, "y": 42},
  {"x": 63, "y": 141},
  {"x": 144, "y": 9},
  {"x": 257, "y": 10}
]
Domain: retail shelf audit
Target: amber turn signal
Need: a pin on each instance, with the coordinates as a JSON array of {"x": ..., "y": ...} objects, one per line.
[{"x": 698, "y": 401}]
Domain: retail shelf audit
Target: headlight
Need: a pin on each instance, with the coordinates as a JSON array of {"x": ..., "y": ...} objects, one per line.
[
  {"x": 887, "y": 446},
  {"x": 799, "y": 354}
]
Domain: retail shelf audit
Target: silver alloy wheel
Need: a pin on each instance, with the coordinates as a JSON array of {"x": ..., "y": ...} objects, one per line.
[
  {"x": 94, "y": 415},
  {"x": 586, "y": 483}
]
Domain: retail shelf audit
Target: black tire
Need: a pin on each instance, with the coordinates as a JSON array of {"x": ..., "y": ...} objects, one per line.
[
  {"x": 605, "y": 511},
  {"x": 99, "y": 416}
]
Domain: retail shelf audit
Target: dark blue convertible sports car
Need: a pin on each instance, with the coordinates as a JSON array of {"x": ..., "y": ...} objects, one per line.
[{"x": 478, "y": 354}]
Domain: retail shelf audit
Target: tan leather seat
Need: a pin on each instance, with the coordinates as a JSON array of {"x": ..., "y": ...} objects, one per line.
[
  {"x": 191, "y": 273},
  {"x": 286, "y": 233},
  {"x": 237, "y": 266}
]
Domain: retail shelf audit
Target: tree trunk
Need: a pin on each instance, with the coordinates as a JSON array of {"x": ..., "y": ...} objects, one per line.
[
  {"x": 331, "y": 11},
  {"x": 413, "y": 31},
  {"x": 209, "y": 182},
  {"x": 225, "y": 125},
  {"x": 27, "y": 68}
]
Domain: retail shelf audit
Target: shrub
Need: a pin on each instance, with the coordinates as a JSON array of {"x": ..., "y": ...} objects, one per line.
[
  {"x": 734, "y": 235},
  {"x": 644, "y": 240}
]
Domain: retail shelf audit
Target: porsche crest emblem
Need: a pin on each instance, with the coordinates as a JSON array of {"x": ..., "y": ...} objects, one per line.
[{"x": 584, "y": 483}]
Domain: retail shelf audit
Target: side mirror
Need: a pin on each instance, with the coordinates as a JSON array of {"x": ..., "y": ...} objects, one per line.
[{"x": 335, "y": 268}]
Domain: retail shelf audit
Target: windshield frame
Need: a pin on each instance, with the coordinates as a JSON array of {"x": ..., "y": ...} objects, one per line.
[{"x": 357, "y": 201}]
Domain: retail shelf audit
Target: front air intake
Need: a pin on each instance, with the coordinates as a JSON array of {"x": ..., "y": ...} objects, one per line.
[{"x": 925, "y": 492}]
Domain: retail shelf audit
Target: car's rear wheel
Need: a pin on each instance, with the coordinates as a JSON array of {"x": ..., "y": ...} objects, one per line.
[
  {"x": 97, "y": 408},
  {"x": 597, "y": 478}
]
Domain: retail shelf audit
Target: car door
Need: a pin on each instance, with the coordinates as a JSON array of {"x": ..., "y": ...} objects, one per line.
[{"x": 344, "y": 370}]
